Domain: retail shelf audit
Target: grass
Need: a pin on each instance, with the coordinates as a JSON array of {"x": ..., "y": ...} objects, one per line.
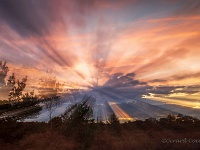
[
  {"x": 40, "y": 136},
  {"x": 75, "y": 130}
]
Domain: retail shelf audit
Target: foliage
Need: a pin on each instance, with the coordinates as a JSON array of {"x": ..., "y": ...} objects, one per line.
[
  {"x": 51, "y": 103},
  {"x": 17, "y": 87},
  {"x": 3, "y": 72},
  {"x": 17, "y": 105},
  {"x": 29, "y": 96},
  {"x": 113, "y": 119},
  {"x": 87, "y": 135},
  {"x": 78, "y": 122}
]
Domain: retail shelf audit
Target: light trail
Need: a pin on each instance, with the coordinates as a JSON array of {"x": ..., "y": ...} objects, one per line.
[
  {"x": 190, "y": 104},
  {"x": 121, "y": 114}
]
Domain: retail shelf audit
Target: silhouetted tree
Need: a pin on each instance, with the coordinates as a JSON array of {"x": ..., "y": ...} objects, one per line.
[
  {"x": 171, "y": 118},
  {"x": 114, "y": 124},
  {"x": 113, "y": 119},
  {"x": 51, "y": 104},
  {"x": 15, "y": 93},
  {"x": 29, "y": 96},
  {"x": 79, "y": 122},
  {"x": 3, "y": 73},
  {"x": 80, "y": 114}
]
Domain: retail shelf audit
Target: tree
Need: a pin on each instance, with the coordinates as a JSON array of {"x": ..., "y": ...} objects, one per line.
[
  {"x": 171, "y": 118},
  {"x": 51, "y": 104},
  {"x": 114, "y": 124},
  {"x": 3, "y": 72},
  {"x": 29, "y": 96},
  {"x": 113, "y": 119},
  {"x": 15, "y": 93},
  {"x": 48, "y": 85},
  {"x": 80, "y": 113}
]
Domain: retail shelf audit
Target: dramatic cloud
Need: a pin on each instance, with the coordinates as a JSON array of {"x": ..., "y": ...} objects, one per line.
[
  {"x": 120, "y": 87},
  {"x": 88, "y": 42}
]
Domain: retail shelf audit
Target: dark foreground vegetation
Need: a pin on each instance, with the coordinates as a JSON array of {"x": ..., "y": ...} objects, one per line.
[{"x": 76, "y": 130}]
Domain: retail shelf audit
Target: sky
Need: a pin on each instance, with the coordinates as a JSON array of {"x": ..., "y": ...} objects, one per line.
[{"x": 143, "y": 46}]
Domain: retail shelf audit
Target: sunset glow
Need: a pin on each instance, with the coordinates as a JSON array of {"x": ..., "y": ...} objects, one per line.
[{"x": 124, "y": 49}]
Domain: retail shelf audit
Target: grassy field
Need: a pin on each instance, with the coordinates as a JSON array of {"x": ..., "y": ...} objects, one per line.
[
  {"x": 56, "y": 136},
  {"x": 75, "y": 130}
]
